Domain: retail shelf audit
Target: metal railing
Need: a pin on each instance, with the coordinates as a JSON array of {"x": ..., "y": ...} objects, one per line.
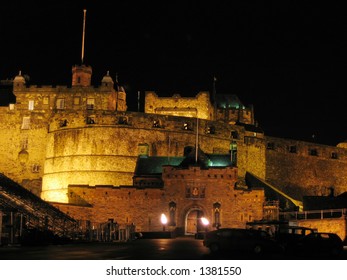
[{"x": 313, "y": 214}]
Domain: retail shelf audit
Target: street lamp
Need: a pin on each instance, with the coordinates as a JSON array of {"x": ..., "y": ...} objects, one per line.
[
  {"x": 205, "y": 222},
  {"x": 163, "y": 220}
]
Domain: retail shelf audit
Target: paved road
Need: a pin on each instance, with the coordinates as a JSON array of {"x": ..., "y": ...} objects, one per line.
[{"x": 182, "y": 248}]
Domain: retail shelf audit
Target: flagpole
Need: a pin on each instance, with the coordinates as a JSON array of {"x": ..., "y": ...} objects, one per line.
[{"x": 84, "y": 32}]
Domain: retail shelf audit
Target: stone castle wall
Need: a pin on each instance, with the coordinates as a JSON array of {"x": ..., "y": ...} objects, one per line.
[
  {"x": 194, "y": 107},
  {"x": 23, "y": 147},
  {"x": 144, "y": 206},
  {"x": 105, "y": 152},
  {"x": 302, "y": 168}
]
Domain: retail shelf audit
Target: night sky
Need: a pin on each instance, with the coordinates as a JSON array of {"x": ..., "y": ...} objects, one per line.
[{"x": 288, "y": 59}]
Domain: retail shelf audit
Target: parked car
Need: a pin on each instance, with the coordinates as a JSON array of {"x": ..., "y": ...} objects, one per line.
[
  {"x": 290, "y": 236},
  {"x": 241, "y": 240},
  {"x": 320, "y": 243}
]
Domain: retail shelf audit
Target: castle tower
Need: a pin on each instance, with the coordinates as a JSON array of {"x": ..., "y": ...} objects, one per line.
[
  {"x": 81, "y": 75},
  {"x": 19, "y": 82}
]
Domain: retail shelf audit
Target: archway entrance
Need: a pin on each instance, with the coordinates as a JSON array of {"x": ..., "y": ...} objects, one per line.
[{"x": 193, "y": 222}]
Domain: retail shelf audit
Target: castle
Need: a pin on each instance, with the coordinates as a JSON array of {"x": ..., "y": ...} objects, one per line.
[{"x": 186, "y": 157}]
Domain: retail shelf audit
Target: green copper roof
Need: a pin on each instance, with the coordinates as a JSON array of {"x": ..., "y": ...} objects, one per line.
[{"x": 153, "y": 165}]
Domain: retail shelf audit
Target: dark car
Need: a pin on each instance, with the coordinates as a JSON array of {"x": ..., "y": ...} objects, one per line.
[
  {"x": 241, "y": 240},
  {"x": 320, "y": 243},
  {"x": 290, "y": 236}
]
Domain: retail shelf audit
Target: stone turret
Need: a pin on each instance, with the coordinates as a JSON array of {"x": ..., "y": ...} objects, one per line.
[
  {"x": 18, "y": 82},
  {"x": 81, "y": 76},
  {"x": 107, "y": 81}
]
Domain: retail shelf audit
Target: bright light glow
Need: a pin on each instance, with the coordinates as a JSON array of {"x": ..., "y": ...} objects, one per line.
[
  {"x": 204, "y": 221},
  {"x": 163, "y": 219}
]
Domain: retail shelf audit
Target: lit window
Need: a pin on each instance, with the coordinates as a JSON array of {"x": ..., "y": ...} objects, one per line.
[
  {"x": 31, "y": 105},
  {"x": 45, "y": 100},
  {"x": 11, "y": 107},
  {"x": 26, "y": 123},
  {"x": 60, "y": 103},
  {"x": 90, "y": 103},
  {"x": 76, "y": 101}
]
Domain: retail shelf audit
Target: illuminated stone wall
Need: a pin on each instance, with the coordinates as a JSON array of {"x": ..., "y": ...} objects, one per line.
[
  {"x": 23, "y": 150},
  {"x": 105, "y": 152},
  {"x": 193, "y": 107},
  {"x": 338, "y": 226},
  {"x": 143, "y": 207},
  {"x": 302, "y": 168}
]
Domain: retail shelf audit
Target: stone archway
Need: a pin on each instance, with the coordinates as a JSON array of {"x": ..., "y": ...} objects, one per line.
[{"x": 193, "y": 221}]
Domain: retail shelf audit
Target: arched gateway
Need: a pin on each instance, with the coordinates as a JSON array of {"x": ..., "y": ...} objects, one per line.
[{"x": 193, "y": 222}]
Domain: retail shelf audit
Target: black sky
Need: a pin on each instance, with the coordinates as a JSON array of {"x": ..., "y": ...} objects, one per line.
[{"x": 287, "y": 58}]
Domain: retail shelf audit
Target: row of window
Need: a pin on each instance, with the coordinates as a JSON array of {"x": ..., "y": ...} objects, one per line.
[
  {"x": 293, "y": 149},
  {"x": 210, "y": 129},
  {"x": 60, "y": 103}
]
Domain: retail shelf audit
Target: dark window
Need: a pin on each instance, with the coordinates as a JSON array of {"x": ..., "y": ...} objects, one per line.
[
  {"x": 90, "y": 120},
  {"x": 63, "y": 123},
  {"x": 156, "y": 123},
  {"x": 210, "y": 129},
  {"x": 313, "y": 152},
  {"x": 334, "y": 155},
  {"x": 187, "y": 126},
  {"x": 122, "y": 120},
  {"x": 234, "y": 134},
  {"x": 270, "y": 146},
  {"x": 292, "y": 149}
]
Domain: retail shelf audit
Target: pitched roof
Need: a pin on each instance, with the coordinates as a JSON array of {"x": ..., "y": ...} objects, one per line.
[{"x": 228, "y": 101}]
